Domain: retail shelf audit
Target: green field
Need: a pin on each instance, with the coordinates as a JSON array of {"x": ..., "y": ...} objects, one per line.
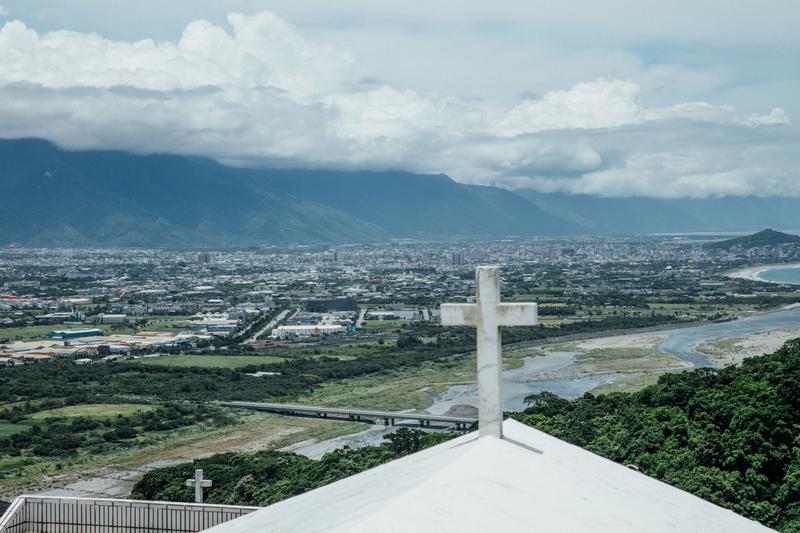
[
  {"x": 613, "y": 354},
  {"x": 7, "y": 428},
  {"x": 407, "y": 388},
  {"x": 96, "y": 410},
  {"x": 210, "y": 361},
  {"x": 340, "y": 351},
  {"x": 383, "y": 325}
]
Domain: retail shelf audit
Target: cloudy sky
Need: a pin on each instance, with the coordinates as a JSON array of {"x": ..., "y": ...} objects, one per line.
[{"x": 621, "y": 97}]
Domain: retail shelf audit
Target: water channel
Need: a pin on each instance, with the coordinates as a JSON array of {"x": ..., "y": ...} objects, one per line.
[{"x": 536, "y": 373}]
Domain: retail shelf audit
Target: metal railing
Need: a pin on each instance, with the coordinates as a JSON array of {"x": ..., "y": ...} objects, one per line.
[{"x": 52, "y": 514}]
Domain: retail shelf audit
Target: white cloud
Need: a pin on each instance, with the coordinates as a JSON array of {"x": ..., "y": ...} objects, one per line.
[
  {"x": 261, "y": 93},
  {"x": 263, "y": 50}
]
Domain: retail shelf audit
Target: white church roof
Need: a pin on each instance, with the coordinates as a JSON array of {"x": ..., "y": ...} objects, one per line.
[{"x": 526, "y": 482}]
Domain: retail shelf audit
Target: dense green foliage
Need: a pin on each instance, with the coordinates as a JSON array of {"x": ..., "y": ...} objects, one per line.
[
  {"x": 267, "y": 477},
  {"x": 729, "y": 436},
  {"x": 62, "y": 436}
]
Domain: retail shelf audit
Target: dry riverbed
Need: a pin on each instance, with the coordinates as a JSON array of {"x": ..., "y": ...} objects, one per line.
[
  {"x": 735, "y": 350},
  {"x": 634, "y": 360}
]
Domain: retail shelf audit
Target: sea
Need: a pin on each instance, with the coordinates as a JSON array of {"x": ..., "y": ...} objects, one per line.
[{"x": 782, "y": 275}]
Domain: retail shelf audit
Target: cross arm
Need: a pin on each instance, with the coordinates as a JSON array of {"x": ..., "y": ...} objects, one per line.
[
  {"x": 206, "y": 483},
  {"x": 517, "y": 314},
  {"x": 459, "y": 314}
]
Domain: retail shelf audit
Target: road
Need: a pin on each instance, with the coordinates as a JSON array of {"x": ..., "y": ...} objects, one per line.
[{"x": 271, "y": 324}]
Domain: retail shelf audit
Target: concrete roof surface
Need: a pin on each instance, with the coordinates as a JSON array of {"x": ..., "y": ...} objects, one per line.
[{"x": 526, "y": 482}]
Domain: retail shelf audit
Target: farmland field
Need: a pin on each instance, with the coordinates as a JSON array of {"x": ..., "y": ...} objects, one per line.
[
  {"x": 95, "y": 410},
  {"x": 8, "y": 428}
]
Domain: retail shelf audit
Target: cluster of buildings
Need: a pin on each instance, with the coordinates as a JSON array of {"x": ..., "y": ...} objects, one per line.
[
  {"x": 215, "y": 324},
  {"x": 316, "y": 324},
  {"x": 219, "y": 294},
  {"x": 87, "y": 345}
]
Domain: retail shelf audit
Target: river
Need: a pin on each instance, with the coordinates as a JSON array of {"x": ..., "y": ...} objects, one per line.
[{"x": 535, "y": 374}]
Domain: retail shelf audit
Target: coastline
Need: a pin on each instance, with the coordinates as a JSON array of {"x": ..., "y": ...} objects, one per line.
[{"x": 754, "y": 273}]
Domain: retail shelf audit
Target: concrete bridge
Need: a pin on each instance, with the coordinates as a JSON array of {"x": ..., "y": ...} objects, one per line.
[{"x": 458, "y": 423}]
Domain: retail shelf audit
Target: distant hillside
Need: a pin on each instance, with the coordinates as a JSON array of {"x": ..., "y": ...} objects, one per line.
[
  {"x": 417, "y": 205},
  {"x": 635, "y": 214},
  {"x": 767, "y": 237},
  {"x": 54, "y": 197}
]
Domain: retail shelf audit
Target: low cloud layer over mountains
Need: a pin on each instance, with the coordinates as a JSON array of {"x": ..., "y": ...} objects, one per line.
[{"x": 256, "y": 91}]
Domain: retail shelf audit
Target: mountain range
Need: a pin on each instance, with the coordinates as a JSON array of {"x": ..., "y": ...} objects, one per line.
[
  {"x": 636, "y": 214},
  {"x": 767, "y": 237},
  {"x": 56, "y": 197}
]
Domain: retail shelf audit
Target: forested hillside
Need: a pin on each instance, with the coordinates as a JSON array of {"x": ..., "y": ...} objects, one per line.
[
  {"x": 767, "y": 237},
  {"x": 730, "y": 436},
  {"x": 55, "y": 197},
  {"x": 638, "y": 214}
]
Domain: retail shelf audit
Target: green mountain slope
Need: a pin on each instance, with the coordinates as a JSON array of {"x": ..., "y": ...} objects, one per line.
[
  {"x": 767, "y": 237},
  {"x": 55, "y": 197},
  {"x": 636, "y": 214}
]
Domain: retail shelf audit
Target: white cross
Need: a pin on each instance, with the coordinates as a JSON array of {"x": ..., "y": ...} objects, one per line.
[
  {"x": 488, "y": 314},
  {"x": 199, "y": 484}
]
